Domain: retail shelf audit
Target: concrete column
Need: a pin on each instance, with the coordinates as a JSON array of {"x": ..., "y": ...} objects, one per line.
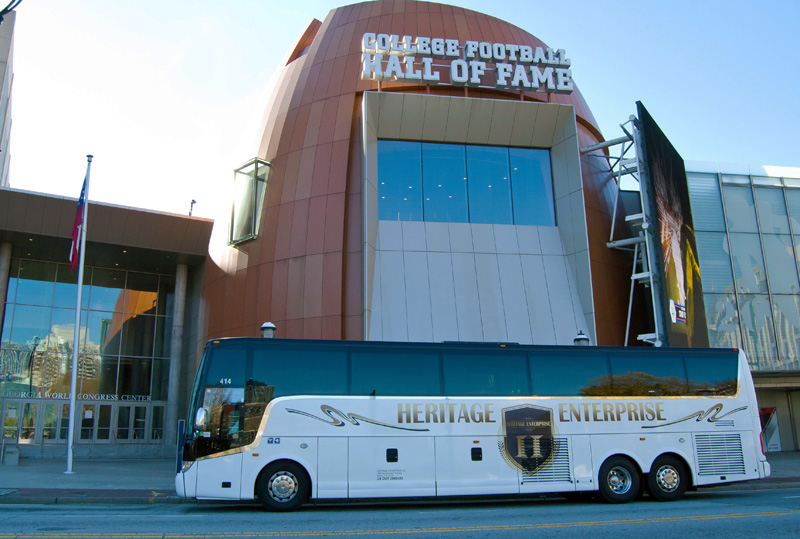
[
  {"x": 173, "y": 390},
  {"x": 5, "y": 270}
]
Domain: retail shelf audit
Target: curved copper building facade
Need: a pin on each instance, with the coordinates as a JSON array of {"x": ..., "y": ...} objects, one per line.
[{"x": 313, "y": 269}]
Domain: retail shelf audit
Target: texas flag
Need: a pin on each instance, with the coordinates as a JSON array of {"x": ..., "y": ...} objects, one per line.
[{"x": 74, "y": 253}]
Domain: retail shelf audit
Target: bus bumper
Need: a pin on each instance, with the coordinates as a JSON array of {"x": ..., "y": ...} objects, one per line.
[
  {"x": 186, "y": 481},
  {"x": 764, "y": 469}
]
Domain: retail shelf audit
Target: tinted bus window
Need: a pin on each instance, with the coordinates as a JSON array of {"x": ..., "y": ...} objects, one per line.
[
  {"x": 386, "y": 372},
  {"x": 712, "y": 373},
  {"x": 568, "y": 374},
  {"x": 636, "y": 374},
  {"x": 294, "y": 371},
  {"x": 468, "y": 374}
]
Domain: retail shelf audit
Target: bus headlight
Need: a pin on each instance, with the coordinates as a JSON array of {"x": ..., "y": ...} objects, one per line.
[{"x": 186, "y": 465}]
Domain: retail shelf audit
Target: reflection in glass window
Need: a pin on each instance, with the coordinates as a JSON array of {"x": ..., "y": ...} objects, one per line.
[
  {"x": 58, "y": 373},
  {"x": 11, "y": 292},
  {"x": 722, "y": 319},
  {"x": 476, "y": 375},
  {"x": 107, "y": 289},
  {"x": 102, "y": 332},
  {"x": 312, "y": 372},
  {"x": 5, "y": 338},
  {"x": 715, "y": 262},
  {"x": 748, "y": 263},
  {"x": 137, "y": 335},
  {"x": 781, "y": 267},
  {"x": 771, "y": 211},
  {"x": 62, "y": 330},
  {"x": 399, "y": 181},
  {"x": 758, "y": 336},
  {"x": 489, "y": 185},
  {"x": 460, "y": 183},
  {"x": 36, "y": 283},
  {"x": 393, "y": 373},
  {"x": 551, "y": 379},
  {"x": 634, "y": 374},
  {"x": 67, "y": 287},
  {"x": 786, "y": 313},
  {"x": 163, "y": 344},
  {"x": 740, "y": 209},
  {"x": 712, "y": 373},
  {"x": 160, "y": 379},
  {"x": 166, "y": 295},
  {"x": 134, "y": 376},
  {"x": 141, "y": 291},
  {"x": 706, "y": 202},
  {"x": 532, "y": 187},
  {"x": 793, "y": 202},
  {"x": 249, "y": 185},
  {"x": 444, "y": 178},
  {"x": 31, "y": 326}
]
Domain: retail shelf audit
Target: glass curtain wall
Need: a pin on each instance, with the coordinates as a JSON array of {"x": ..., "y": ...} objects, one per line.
[
  {"x": 126, "y": 325},
  {"x": 457, "y": 183},
  {"x": 748, "y": 241}
]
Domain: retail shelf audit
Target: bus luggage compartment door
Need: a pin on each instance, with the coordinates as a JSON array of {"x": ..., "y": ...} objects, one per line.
[
  {"x": 391, "y": 467},
  {"x": 473, "y": 465}
]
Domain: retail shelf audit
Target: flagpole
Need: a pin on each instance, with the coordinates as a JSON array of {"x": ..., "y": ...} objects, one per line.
[{"x": 76, "y": 339}]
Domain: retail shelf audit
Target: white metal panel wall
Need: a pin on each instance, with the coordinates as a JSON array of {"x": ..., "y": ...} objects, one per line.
[{"x": 473, "y": 282}]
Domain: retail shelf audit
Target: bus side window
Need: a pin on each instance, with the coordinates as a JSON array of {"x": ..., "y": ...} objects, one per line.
[
  {"x": 712, "y": 373},
  {"x": 484, "y": 374},
  {"x": 569, "y": 373},
  {"x": 289, "y": 369},
  {"x": 634, "y": 374},
  {"x": 389, "y": 372}
]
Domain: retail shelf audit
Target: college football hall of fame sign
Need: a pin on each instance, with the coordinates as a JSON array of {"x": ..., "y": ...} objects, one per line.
[{"x": 527, "y": 437}]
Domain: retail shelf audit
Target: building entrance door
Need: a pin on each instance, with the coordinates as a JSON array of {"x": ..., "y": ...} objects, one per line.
[
  {"x": 11, "y": 419},
  {"x": 131, "y": 422}
]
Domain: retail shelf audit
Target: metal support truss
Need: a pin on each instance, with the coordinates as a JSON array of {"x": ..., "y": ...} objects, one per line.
[{"x": 628, "y": 162}]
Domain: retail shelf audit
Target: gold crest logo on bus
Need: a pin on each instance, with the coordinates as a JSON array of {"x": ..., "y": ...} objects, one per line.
[{"x": 528, "y": 436}]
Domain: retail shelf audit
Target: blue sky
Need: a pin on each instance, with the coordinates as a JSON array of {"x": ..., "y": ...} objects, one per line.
[{"x": 168, "y": 95}]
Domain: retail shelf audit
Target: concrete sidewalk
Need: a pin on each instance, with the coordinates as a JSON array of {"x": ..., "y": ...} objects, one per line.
[{"x": 144, "y": 481}]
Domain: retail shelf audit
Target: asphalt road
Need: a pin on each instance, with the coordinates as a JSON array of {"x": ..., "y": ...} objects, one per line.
[{"x": 762, "y": 513}]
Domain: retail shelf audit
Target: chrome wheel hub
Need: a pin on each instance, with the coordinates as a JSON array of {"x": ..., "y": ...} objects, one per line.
[
  {"x": 619, "y": 480},
  {"x": 667, "y": 478},
  {"x": 282, "y": 486}
]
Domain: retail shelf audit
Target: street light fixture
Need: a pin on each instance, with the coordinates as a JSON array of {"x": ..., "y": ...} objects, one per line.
[{"x": 581, "y": 339}]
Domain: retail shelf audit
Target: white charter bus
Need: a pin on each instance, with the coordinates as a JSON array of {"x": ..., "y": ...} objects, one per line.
[{"x": 285, "y": 421}]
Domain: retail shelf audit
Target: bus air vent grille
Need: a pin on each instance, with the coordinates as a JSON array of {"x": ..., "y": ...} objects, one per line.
[
  {"x": 719, "y": 454},
  {"x": 556, "y": 469}
]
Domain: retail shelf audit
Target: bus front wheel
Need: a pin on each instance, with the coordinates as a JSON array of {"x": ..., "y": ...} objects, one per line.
[
  {"x": 283, "y": 486},
  {"x": 667, "y": 480},
  {"x": 618, "y": 480}
]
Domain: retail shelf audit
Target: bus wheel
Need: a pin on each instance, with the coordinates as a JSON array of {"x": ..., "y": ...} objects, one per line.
[
  {"x": 667, "y": 480},
  {"x": 283, "y": 486},
  {"x": 618, "y": 480}
]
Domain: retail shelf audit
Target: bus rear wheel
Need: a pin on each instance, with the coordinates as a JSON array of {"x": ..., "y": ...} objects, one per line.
[
  {"x": 667, "y": 480},
  {"x": 283, "y": 486},
  {"x": 618, "y": 480}
]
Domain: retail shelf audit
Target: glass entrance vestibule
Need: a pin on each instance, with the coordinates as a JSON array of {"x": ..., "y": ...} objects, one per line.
[{"x": 46, "y": 422}]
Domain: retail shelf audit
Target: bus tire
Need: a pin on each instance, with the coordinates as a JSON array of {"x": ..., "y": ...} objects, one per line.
[
  {"x": 283, "y": 486},
  {"x": 667, "y": 480},
  {"x": 618, "y": 480}
]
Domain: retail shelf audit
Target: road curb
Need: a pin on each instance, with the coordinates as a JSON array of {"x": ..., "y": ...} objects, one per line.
[{"x": 104, "y": 497}]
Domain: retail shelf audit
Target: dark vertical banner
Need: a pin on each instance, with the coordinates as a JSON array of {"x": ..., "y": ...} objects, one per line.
[{"x": 681, "y": 290}]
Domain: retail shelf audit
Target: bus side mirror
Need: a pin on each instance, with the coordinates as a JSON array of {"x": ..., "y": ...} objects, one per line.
[{"x": 200, "y": 419}]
